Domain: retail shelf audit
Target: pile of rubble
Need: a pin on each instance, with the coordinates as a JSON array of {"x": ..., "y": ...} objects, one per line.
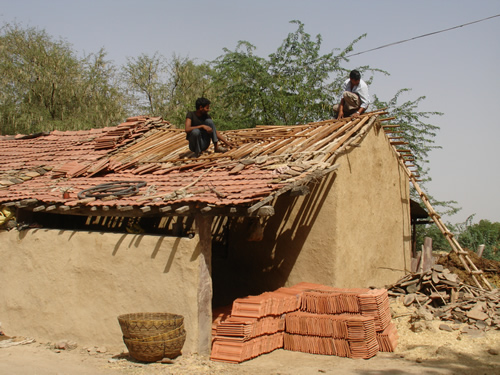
[
  {"x": 490, "y": 268},
  {"x": 445, "y": 296}
]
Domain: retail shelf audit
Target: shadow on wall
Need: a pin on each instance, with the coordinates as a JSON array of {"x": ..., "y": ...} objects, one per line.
[
  {"x": 135, "y": 241},
  {"x": 127, "y": 241},
  {"x": 241, "y": 267}
]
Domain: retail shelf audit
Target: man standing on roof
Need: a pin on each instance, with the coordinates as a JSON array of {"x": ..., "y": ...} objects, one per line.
[
  {"x": 355, "y": 98},
  {"x": 200, "y": 129}
]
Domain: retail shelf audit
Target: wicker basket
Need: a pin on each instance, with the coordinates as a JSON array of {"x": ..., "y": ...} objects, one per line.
[
  {"x": 152, "y": 351},
  {"x": 163, "y": 337},
  {"x": 141, "y": 325}
]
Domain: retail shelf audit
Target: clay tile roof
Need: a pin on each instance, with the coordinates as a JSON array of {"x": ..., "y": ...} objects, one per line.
[{"x": 267, "y": 161}]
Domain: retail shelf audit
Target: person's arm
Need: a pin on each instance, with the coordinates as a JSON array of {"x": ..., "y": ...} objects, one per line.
[
  {"x": 364, "y": 97},
  {"x": 223, "y": 139},
  {"x": 341, "y": 106},
  {"x": 341, "y": 109},
  {"x": 358, "y": 112},
  {"x": 188, "y": 127}
]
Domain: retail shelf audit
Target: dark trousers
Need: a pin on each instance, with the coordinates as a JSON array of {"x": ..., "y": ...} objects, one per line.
[{"x": 199, "y": 139}]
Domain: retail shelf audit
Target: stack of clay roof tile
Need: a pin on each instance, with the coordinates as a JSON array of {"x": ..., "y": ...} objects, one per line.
[
  {"x": 249, "y": 328},
  {"x": 134, "y": 127},
  {"x": 375, "y": 303},
  {"x": 388, "y": 338},
  {"x": 368, "y": 302},
  {"x": 269, "y": 303},
  {"x": 235, "y": 350},
  {"x": 344, "y": 335},
  {"x": 318, "y": 319},
  {"x": 254, "y": 327},
  {"x": 351, "y": 322}
]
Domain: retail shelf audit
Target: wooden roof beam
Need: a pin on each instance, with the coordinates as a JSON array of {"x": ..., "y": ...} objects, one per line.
[{"x": 154, "y": 211}]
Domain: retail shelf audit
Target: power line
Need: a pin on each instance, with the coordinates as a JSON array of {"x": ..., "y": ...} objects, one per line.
[{"x": 422, "y": 36}]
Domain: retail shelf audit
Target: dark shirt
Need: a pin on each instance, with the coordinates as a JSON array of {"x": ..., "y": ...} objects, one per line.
[{"x": 195, "y": 120}]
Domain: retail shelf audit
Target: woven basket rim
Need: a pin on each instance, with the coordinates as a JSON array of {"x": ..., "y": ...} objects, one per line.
[
  {"x": 149, "y": 316},
  {"x": 141, "y": 325},
  {"x": 161, "y": 337}
]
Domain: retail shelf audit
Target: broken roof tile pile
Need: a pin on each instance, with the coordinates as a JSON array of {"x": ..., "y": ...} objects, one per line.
[
  {"x": 318, "y": 319},
  {"x": 265, "y": 162}
]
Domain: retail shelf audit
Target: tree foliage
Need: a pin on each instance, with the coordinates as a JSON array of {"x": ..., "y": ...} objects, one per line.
[
  {"x": 483, "y": 233},
  {"x": 101, "y": 100},
  {"x": 165, "y": 88},
  {"x": 243, "y": 88},
  {"x": 146, "y": 77},
  {"x": 43, "y": 83},
  {"x": 187, "y": 82},
  {"x": 468, "y": 234},
  {"x": 294, "y": 85},
  {"x": 439, "y": 241},
  {"x": 412, "y": 122},
  {"x": 420, "y": 134}
]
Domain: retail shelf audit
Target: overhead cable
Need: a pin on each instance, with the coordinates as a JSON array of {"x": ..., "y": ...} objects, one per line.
[{"x": 422, "y": 36}]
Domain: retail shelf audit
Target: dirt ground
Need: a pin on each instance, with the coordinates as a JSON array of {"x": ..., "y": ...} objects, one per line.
[{"x": 431, "y": 351}]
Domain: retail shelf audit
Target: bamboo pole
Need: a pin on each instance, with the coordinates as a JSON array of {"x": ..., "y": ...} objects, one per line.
[{"x": 462, "y": 255}]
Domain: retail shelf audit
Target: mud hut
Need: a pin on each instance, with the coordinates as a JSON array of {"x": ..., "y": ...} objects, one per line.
[{"x": 125, "y": 219}]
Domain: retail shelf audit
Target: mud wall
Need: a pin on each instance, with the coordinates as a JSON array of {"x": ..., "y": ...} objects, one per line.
[
  {"x": 73, "y": 285},
  {"x": 352, "y": 230},
  {"x": 371, "y": 216}
]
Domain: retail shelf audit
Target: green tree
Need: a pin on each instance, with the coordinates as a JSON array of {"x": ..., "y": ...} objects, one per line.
[
  {"x": 295, "y": 85},
  {"x": 243, "y": 88},
  {"x": 167, "y": 88},
  {"x": 420, "y": 134},
  {"x": 99, "y": 98},
  {"x": 412, "y": 123},
  {"x": 146, "y": 78},
  {"x": 37, "y": 75},
  {"x": 187, "y": 81},
  {"x": 439, "y": 241},
  {"x": 44, "y": 85},
  {"x": 483, "y": 233}
]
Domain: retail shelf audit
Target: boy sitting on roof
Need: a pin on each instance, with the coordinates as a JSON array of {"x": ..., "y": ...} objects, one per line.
[
  {"x": 355, "y": 98},
  {"x": 200, "y": 129}
]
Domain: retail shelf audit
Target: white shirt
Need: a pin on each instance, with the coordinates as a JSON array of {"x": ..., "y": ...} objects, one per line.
[{"x": 361, "y": 90}]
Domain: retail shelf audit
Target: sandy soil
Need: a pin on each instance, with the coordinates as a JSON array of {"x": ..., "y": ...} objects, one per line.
[{"x": 431, "y": 351}]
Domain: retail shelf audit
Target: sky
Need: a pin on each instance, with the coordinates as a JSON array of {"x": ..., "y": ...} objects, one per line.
[{"x": 456, "y": 70}]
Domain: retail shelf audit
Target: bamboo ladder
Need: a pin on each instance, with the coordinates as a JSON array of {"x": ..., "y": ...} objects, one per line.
[{"x": 462, "y": 254}]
